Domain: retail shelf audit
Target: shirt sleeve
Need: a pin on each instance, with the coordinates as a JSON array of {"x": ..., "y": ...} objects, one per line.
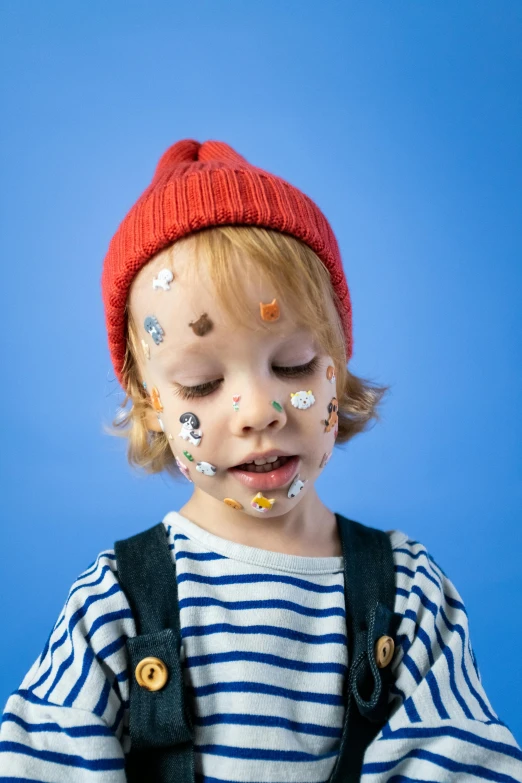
[
  {"x": 68, "y": 720},
  {"x": 442, "y": 725}
]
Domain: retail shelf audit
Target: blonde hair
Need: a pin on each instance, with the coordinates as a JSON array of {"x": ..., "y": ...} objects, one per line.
[{"x": 299, "y": 280}]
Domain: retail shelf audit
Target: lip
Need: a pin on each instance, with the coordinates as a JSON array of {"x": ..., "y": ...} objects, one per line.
[
  {"x": 262, "y": 455},
  {"x": 272, "y": 479}
]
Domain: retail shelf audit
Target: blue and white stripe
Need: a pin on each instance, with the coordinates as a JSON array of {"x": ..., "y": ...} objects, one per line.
[{"x": 264, "y": 653}]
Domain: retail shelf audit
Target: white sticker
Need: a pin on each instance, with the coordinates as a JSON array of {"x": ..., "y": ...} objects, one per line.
[
  {"x": 163, "y": 279},
  {"x": 302, "y": 399}
]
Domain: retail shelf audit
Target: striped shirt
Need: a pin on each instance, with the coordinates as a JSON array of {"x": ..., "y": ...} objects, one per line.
[{"x": 264, "y": 660}]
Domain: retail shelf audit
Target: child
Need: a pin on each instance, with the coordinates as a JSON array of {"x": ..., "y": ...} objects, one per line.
[{"x": 229, "y": 327}]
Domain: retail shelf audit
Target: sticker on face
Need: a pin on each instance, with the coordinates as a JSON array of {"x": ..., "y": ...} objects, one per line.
[
  {"x": 188, "y": 456},
  {"x": 156, "y": 402},
  {"x": 163, "y": 279},
  {"x": 332, "y": 419},
  {"x": 325, "y": 459},
  {"x": 189, "y": 431},
  {"x": 269, "y": 312},
  {"x": 277, "y": 405},
  {"x": 233, "y": 503},
  {"x": 184, "y": 470},
  {"x": 152, "y": 326},
  {"x": 202, "y": 325},
  {"x": 302, "y": 399},
  {"x": 160, "y": 421},
  {"x": 262, "y": 504},
  {"x": 330, "y": 374},
  {"x": 235, "y": 401},
  {"x": 206, "y": 468},
  {"x": 296, "y": 486}
]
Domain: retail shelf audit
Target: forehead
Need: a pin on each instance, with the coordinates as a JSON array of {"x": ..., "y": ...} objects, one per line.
[
  {"x": 192, "y": 292},
  {"x": 192, "y": 283}
]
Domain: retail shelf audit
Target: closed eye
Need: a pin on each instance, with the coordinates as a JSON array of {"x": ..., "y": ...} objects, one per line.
[{"x": 204, "y": 389}]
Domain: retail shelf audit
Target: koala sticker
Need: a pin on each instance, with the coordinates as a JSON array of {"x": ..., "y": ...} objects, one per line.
[{"x": 302, "y": 399}]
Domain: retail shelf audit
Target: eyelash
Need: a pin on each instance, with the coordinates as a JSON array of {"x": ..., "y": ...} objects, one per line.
[{"x": 204, "y": 389}]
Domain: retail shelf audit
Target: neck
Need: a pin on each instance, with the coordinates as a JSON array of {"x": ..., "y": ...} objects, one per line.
[{"x": 309, "y": 529}]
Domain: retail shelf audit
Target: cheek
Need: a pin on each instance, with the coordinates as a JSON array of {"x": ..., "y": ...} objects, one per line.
[
  {"x": 317, "y": 420},
  {"x": 188, "y": 429}
]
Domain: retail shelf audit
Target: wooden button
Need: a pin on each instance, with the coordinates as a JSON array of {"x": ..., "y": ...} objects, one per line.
[
  {"x": 152, "y": 674},
  {"x": 384, "y": 649}
]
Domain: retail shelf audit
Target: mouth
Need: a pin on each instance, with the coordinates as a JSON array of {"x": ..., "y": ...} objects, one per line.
[{"x": 270, "y": 476}]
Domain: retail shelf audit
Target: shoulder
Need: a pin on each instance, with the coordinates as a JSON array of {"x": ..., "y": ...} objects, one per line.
[
  {"x": 421, "y": 584},
  {"x": 87, "y": 642},
  {"x": 434, "y": 658},
  {"x": 97, "y": 590}
]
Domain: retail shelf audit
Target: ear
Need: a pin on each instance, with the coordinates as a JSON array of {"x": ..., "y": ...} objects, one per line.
[{"x": 151, "y": 421}]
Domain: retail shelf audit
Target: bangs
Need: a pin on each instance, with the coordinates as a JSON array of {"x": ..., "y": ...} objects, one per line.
[{"x": 235, "y": 255}]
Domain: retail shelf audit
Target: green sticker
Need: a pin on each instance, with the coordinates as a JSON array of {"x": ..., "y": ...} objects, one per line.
[{"x": 188, "y": 456}]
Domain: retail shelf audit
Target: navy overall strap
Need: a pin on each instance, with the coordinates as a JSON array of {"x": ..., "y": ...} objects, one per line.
[
  {"x": 369, "y": 579},
  {"x": 160, "y": 727}
]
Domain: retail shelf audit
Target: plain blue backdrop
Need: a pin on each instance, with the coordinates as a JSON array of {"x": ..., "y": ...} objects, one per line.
[{"x": 403, "y": 121}]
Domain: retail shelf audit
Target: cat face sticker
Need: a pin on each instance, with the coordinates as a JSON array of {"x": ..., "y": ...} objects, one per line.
[{"x": 269, "y": 312}]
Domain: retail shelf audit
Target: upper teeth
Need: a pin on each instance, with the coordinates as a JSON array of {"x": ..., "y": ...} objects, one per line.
[{"x": 261, "y": 460}]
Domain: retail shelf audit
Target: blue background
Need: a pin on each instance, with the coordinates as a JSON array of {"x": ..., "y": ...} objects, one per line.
[{"x": 403, "y": 122}]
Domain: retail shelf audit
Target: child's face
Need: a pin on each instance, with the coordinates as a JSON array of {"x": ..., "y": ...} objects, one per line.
[{"x": 246, "y": 404}]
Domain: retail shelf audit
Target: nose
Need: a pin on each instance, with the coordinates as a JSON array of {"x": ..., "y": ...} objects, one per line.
[{"x": 256, "y": 412}]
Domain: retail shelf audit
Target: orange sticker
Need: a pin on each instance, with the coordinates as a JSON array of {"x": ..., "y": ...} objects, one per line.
[
  {"x": 232, "y": 503},
  {"x": 262, "y": 504},
  {"x": 156, "y": 402},
  {"x": 332, "y": 419},
  {"x": 269, "y": 312}
]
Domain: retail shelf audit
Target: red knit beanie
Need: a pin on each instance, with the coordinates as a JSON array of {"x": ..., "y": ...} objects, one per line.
[{"x": 200, "y": 185}]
